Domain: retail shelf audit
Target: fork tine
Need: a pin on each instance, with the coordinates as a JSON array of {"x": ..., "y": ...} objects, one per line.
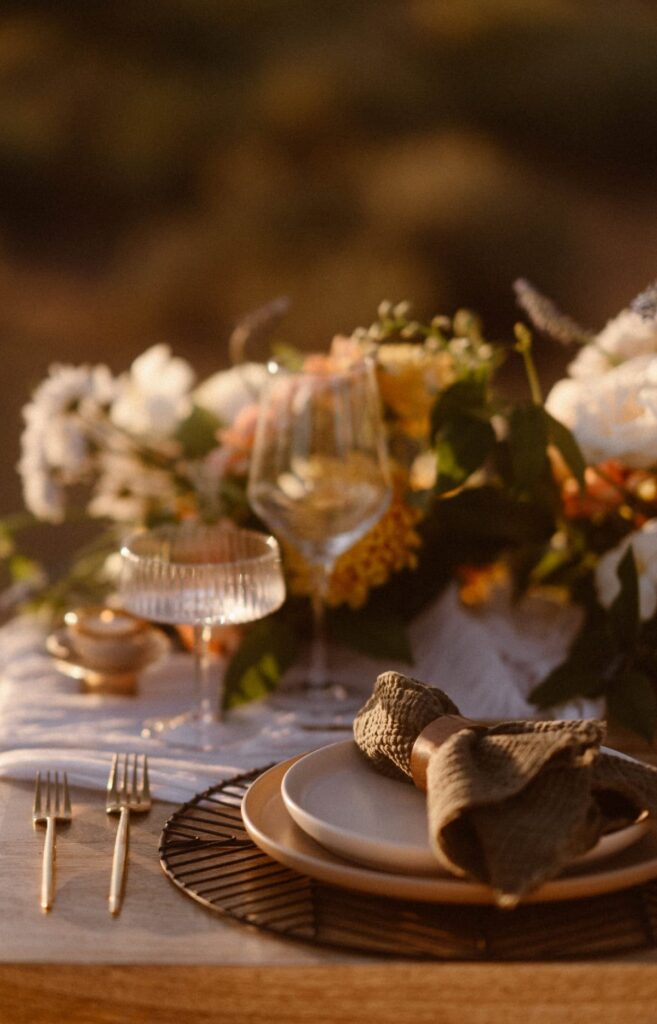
[
  {"x": 145, "y": 788},
  {"x": 111, "y": 782},
  {"x": 47, "y": 792},
  {"x": 134, "y": 790},
  {"x": 124, "y": 779},
  {"x": 67, "y": 798},
  {"x": 36, "y": 810},
  {"x": 56, "y": 807}
]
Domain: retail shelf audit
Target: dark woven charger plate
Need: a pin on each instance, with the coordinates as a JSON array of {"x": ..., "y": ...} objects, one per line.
[{"x": 206, "y": 852}]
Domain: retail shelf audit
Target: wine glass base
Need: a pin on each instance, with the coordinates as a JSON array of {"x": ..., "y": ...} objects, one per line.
[
  {"x": 327, "y": 708},
  {"x": 191, "y": 732}
]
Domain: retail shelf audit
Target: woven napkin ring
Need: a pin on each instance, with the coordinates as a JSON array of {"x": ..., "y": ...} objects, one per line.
[{"x": 431, "y": 737}]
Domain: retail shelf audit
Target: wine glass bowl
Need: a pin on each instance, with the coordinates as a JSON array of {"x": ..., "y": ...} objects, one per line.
[
  {"x": 201, "y": 575},
  {"x": 319, "y": 475}
]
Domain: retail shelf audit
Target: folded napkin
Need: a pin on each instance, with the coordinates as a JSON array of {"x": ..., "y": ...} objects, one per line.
[{"x": 510, "y": 804}]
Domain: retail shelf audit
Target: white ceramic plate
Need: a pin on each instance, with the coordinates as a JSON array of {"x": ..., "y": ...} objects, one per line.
[
  {"x": 354, "y": 811},
  {"x": 272, "y": 829}
]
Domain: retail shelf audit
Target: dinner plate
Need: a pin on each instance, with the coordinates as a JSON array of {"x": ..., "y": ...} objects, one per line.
[
  {"x": 273, "y": 830},
  {"x": 340, "y": 801}
]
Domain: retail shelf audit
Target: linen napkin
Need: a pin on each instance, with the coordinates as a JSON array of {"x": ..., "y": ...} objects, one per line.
[{"x": 510, "y": 804}]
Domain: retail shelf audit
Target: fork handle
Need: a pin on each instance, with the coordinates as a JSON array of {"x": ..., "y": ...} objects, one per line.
[
  {"x": 119, "y": 862},
  {"x": 48, "y": 867}
]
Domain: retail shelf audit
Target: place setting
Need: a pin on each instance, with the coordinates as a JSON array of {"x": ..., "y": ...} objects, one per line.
[
  {"x": 507, "y": 824},
  {"x": 352, "y": 661}
]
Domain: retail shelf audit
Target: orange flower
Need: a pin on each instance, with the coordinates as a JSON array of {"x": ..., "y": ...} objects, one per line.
[
  {"x": 607, "y": 490},
  {"x": 477, "y": 582}
]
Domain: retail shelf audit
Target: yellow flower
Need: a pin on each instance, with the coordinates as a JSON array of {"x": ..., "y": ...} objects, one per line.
[
  {"x": 410, "y": 377},
  {"x": 390, "y": 546}
]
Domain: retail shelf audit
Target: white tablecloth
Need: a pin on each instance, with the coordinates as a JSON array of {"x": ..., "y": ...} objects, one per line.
[{"x": 487, "y": 661}]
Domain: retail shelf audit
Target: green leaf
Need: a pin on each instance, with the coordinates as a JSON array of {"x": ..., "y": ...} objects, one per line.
[
  {"x": 528, "y": 436},
  {"x": 632, "y": 703},
  {"x": 564, "y": 441},
  {"x": 198, "y": 433},
  {"x": 462, "y": 446},
  {"x": 489, "y": 518},
  {"x": 24, "y": 569},
  {"x": 564, "y": 683},
  {"x": 624, "y": 612},
  {"x": 465, "y": 396},
  {"x": 376, "y": 635},
  {"x": 586, "y": 670},
  {"x": 268, "y": 648}
]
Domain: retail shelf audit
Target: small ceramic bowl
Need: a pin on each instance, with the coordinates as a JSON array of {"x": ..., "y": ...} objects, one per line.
[{"x": 108, "y": 639}]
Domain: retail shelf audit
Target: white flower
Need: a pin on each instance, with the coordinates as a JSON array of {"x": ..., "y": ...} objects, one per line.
[
  {"x": 613, "y": 416},
  {"x": 155, "y": 395},
  {"x": 590, "y": 361},
  {"x": 644, "y": 547},
  {"x": 625, "y": 337},
  {"x": 127, "y": 490},
  {"x": 56, "y": 446},
  {"x": 42, "y": 495},
  {"x": 226, "y": 393}
]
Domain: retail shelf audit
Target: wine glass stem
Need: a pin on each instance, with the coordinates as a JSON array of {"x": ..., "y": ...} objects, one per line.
[
  {"x": 206, "y": 676},
  {"x": 318, "y": 674}
]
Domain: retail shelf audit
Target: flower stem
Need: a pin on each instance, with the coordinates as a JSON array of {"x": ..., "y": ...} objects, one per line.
[{"x": 524, "y": 347}]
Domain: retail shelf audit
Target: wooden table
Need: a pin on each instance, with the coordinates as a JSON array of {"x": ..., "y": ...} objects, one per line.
[{"x": 166, "y": 959}]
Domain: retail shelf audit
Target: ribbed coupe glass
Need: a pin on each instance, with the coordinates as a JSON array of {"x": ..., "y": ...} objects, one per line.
[{"x": 200, "y": 575}]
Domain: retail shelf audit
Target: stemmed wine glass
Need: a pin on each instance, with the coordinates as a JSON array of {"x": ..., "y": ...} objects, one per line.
[
  {"x": 201, "y": 575},
  {"x": 319, "y": 475}
]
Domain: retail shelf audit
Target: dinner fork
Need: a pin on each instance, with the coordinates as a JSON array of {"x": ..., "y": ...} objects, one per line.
[
  {"x": 123, "y": 797},
  {"x": 57, "y": 807}
]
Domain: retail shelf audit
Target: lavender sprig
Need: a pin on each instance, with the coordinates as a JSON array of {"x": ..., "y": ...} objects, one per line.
[
  {"x": 645, "y": 304},
  {"x": 547, "y": 318}
]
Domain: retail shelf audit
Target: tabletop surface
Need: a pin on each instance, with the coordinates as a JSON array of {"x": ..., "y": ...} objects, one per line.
[{"x": 167, "y": 957}]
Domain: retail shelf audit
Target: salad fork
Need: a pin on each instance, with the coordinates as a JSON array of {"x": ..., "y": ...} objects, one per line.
[
  {"x": 57, "y": 807},
  {"x": 122, "y": 798}
]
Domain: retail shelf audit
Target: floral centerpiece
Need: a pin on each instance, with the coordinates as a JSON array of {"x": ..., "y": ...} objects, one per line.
[{"x": 490, "y": 490}]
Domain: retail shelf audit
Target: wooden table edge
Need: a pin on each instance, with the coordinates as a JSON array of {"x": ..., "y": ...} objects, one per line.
[{"x": 592, "y": 992}]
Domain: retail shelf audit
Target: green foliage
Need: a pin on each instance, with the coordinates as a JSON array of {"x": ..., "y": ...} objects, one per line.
[
  {"x": 624, "y": 611},
  {"x": 198, "y": 433},
  {"x": 378, "y": 635},
  {"x": 610, "y": 658},
  {"x": 462, "y": 432},
  {"x": 266, "y": 651},
  {"x": 462, "y": 446},
  {"x": 528, "y": 436},
  {"x": 562, "y": 439}
]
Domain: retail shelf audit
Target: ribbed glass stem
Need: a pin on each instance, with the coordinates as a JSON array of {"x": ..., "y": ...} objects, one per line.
[{"x": 207, "y": 676}]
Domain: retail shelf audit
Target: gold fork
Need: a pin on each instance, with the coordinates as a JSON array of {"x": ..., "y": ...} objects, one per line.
[
  {"x": 123, "y": 797},
  {"x": 57, "y": 808}
]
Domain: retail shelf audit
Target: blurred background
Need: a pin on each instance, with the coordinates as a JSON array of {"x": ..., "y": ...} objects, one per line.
[{"x": 168, "y": 165}]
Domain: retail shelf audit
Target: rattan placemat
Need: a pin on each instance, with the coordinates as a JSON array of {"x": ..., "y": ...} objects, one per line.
[{"x": 206, "y": 852}]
